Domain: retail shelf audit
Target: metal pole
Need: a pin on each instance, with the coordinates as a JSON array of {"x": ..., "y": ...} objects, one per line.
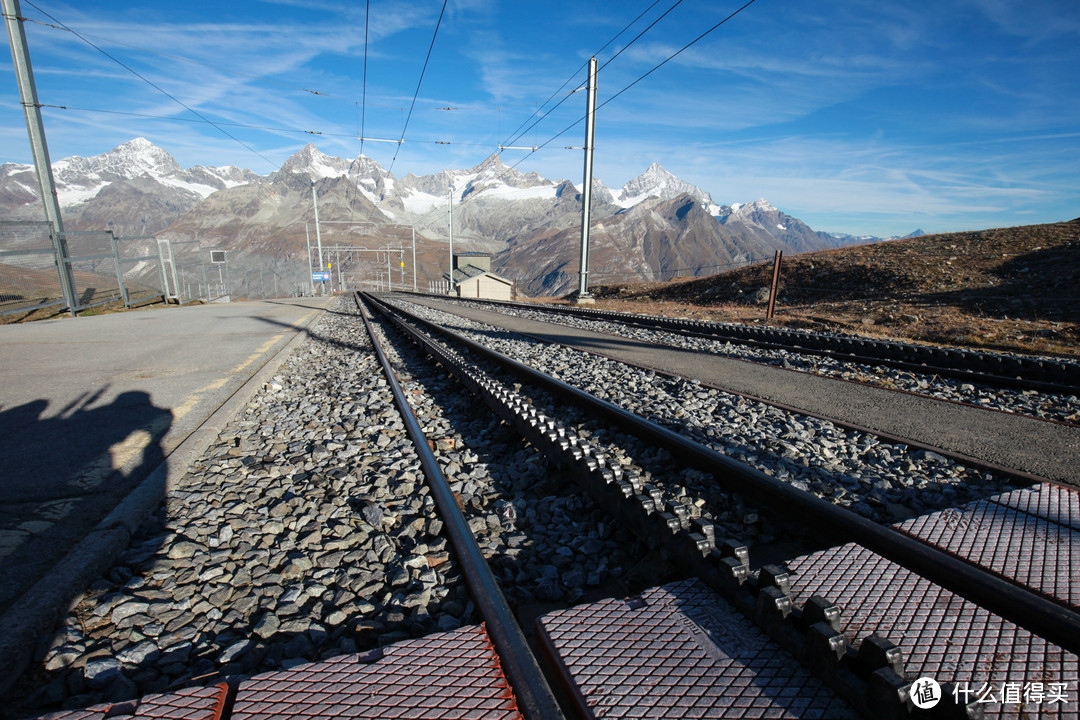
[
  {"x": 586, "y": 191},
  {"x": 450, "y": 284},
  {"x": 318, "y": 234},
  {"x": 401, "y": 262},
  {"x": 205, "y": 282},
  {"x": 119, "y": 270},
  {"x": 389, "y": 277},
  {"x": 775, "y": 282},
  {"x": 307, "y": 232},
  {"x": 35, "y": 127},
  {"x": 414, "y": 259}
]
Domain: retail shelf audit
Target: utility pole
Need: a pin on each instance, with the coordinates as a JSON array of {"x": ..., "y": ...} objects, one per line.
[
  {"x": 318, "y": 236},
  {"x": 20, "y": 56},
  {"x": 450, "y": 285},
  {"x": 414, "y": 259},
  {"x": 307, "y": 233},
  {"x": 584, "y": 297},
  {"x": 389, "y": 277}
]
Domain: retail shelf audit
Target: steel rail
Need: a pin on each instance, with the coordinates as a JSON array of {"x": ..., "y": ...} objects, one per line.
[
  {"x": 1044, "y": 617},
  {"x": 534, "y": 697},
  {"x": 1015, "y": 372}
]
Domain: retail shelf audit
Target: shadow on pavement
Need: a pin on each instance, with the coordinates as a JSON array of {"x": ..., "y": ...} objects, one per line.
[{"x": 64, "y": 473}]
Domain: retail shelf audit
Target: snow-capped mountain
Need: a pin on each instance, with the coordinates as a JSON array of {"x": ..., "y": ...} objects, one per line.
[
  {"x": 97, "y": 187},
  {"x": 312, "y": 162},
  {"x": 658, "y": 182},
  {"x": 653, "y": 226}
]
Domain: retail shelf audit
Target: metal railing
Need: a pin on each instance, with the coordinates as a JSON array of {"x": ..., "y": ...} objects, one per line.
[{"x": 104, "y": 268}]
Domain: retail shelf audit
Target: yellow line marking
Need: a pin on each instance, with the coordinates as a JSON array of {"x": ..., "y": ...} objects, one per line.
[{"x": 192, "y": 400}]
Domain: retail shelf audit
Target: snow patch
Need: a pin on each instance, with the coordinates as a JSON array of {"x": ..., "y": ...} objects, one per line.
[
  {"x": 421, "y": 202},
  {"x": 322, "y": 170},
  {"x": 505, "y": 192},
  {"x": 198, "y": 188},
  {"x": 73, "y": 194}
]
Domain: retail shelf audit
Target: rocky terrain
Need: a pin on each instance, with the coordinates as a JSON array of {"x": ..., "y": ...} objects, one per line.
[
  {"x": 655, "y": 226},
  {"x": 1010, "y": 288}
]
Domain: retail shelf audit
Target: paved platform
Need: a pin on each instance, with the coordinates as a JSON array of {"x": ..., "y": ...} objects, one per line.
[
  {"x": 94, "y": 414},
  {"x": 1048, "y": 450}
]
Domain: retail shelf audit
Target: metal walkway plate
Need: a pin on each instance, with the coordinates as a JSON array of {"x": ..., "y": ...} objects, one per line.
[
  {"x": 198, "y": 703},
  {"x": 942, "y": 635},
  {"x": 1012, "y": 536},
  {"x": 447, "y": 675},
  {"x": 1060, "y": 505},
  {"x": 679, "y": 651}
]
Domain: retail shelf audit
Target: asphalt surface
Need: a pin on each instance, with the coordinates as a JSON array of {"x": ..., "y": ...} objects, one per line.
[
  {"x": 94, "y": 408},
  {"x": 1045, "y": 449}
]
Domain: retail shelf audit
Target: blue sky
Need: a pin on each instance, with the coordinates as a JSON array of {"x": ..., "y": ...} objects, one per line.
[{"x": 854, "y": 116}]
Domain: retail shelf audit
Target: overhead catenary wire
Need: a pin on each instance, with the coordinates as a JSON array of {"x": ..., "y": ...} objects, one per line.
[
  {"x": 678, "y": 52},
  {"x": 363, "y": 117},
  {"x": 617, "y": 94},
  {"x": 269, "y": 80},
  {"x": 419, "y": 82},
  {"x": 157, "y": 87},
  {"x": 267, "y": 128},
  {"x": 519, "y": 132}
]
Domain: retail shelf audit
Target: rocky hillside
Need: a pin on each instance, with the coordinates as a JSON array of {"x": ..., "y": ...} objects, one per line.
[
  {"x": 655, "y": 226},
  {"x": 654, "y": 240},
  {"x": 1012, "y": 288}
]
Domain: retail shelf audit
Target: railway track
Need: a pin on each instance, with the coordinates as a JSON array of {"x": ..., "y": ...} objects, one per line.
[
  {"x": 736, "y": 543},
  {"x": 1039, "y": 386}
]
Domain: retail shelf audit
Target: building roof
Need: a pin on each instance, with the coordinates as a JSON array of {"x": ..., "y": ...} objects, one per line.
[{"x": 468, "y": 272}]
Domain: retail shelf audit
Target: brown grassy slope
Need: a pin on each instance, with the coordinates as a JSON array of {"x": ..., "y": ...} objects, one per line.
[{"x": 1010, "y": 288}]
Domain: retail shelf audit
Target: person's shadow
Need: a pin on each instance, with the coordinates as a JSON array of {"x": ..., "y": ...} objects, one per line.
[{"x": 61, "y": 474}]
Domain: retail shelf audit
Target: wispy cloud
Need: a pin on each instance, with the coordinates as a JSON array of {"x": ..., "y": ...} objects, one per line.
[{"x": 844, "y": 112}]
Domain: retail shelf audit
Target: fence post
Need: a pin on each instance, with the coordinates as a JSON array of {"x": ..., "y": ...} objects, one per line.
[
  {"x": 775, "y": 283},
  {"x": 119, "y": 271}
]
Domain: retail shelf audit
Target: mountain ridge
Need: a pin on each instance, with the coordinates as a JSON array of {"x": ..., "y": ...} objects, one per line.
[{"x": 138, "y": 188}]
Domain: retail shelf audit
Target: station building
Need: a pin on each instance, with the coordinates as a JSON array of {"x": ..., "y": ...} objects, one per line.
[{"x": 473, "y": 278}]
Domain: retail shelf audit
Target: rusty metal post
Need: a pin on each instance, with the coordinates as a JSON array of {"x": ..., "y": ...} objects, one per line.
[{"x": 775, "y": 283}]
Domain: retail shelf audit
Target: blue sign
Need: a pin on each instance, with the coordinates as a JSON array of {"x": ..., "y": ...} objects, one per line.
[{"x": 320, "y": 276}]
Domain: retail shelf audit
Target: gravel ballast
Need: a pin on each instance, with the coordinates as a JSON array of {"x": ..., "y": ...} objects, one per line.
[
  {"x": 307, "y": 531},
  {"x": 1049, "y": 406},
  {"x": 878, "y": 480}
]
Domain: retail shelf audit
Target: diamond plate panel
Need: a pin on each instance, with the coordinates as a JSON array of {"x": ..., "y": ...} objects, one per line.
[
  {"x": 680, "y": 651},
  {"x": 98, "y": 712},
  {"x": 1054, "y": 503},
  {"x": 1026, "y": 548},
  {"x": 447, "y": 675},
  {"x": 200, "y": 703},
  {"x": 942, "y": 635}
]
